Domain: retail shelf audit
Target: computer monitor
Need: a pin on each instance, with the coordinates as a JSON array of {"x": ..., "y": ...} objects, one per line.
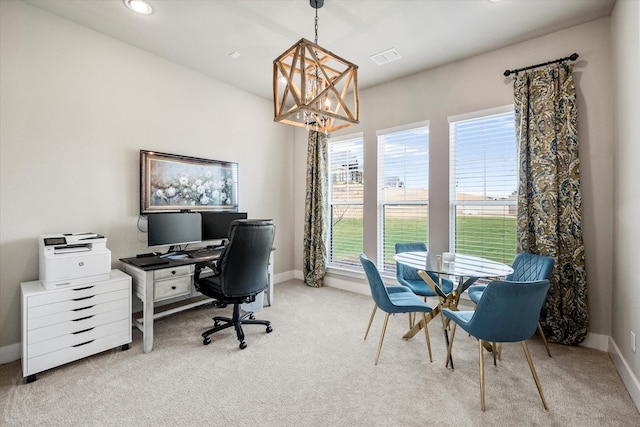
[
  {"x": 174, "y": 228},
  {"x": 215, "y": 225}
]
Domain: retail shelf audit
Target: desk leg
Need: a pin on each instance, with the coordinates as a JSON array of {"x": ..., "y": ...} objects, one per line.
[{"x": 147, "y": 313}]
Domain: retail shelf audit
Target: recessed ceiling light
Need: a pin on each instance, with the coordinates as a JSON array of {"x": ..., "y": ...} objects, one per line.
[
  {"x": 139, "y": 6},
  {"x": 235, "y": 54}
]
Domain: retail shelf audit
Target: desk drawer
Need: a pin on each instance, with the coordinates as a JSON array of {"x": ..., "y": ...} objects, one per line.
[
  {"x": 165, "y": 289},
  {"x": 168, "y": 273}
]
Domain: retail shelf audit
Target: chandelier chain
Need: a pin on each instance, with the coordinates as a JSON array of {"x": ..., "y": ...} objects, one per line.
[{"x": 316, "y": 27}]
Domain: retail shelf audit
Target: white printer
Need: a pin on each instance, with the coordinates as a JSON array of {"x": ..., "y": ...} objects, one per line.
[{"x": 71, "y": 259}]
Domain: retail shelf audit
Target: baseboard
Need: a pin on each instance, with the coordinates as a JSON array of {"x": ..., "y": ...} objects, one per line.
[
  {"x": 596, "y": 341},
  {"x": 628, "y": 378},
  {"x": 10, "y": 353}
]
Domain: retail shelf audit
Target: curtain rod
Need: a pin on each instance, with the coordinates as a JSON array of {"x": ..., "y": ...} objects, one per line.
[{"x": 572, "y": 57}]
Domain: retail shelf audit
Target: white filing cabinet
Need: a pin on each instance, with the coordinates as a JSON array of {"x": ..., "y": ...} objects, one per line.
[{"x": 67, "y": 324}]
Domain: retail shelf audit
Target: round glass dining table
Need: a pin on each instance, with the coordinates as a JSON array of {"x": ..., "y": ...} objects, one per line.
[{"x": 467, "y": 268}]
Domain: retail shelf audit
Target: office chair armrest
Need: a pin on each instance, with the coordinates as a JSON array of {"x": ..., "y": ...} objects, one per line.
[{"x": 201, "y": 266}]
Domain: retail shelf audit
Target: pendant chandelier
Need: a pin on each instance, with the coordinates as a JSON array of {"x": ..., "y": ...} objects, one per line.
[{"x": 313, "y": 88}]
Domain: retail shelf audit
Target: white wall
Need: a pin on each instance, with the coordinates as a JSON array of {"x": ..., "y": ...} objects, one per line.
[
  {"x": 625, "y": 26},
  {"x": 478, "y": 83},
  {"x": 75, "y": 109}
]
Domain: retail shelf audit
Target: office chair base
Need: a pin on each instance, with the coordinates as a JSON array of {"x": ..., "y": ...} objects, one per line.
[{"x": 222, "y": 322}]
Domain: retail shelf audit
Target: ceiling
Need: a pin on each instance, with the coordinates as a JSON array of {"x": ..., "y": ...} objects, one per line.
[{"x": 201, "y": 34}]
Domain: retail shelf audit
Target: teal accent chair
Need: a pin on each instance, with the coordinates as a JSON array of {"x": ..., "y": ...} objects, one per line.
[
  {"x": 408, "y": 276},
  {"x": 507, "y": 312},
  {"x": 526, "y": 267},
  {"x": 392, "y": 302}
]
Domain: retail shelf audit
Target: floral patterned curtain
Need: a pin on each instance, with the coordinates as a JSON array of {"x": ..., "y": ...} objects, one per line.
[
  {"x": 315, "y": 210},
  {"x": 550, "y": 199}
]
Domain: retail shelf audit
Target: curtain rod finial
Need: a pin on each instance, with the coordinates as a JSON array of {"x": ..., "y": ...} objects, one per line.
[{"x": 507, "y": 73}]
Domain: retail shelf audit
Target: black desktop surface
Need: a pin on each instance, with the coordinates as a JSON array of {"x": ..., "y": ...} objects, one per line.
[{"x": 156, "y": 262}]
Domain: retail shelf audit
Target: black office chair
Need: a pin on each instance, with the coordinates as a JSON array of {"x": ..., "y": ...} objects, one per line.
[{"x": 240, "y": 274}]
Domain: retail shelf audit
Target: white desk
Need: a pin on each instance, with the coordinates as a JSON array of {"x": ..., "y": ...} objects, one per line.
[{"x": 155, "y": 284}]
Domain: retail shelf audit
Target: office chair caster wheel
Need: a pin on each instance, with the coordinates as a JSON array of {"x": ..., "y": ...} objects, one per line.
[
  {"x": 216, "y": 324},
  {"x": 206, "y": 341},
  {"x": 243, "y": 345},
  {"x": 269, "y": 329},
  {"x": 251, "y": 316}
]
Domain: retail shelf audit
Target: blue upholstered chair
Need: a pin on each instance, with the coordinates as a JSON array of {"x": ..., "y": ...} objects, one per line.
[
  {"x": 408, "y": 276},
  {"x": 392, "y": 302},
  {"x": 390, "y": 290},
  {"x": 507, "y": 312},
  {"x": 526, "y": 267}
]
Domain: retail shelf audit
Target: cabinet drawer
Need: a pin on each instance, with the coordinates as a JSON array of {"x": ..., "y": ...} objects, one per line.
[
  {"x": 82, "y": 291},
  {"x": 76, "y": 305},
  {"x": 33, "y": 365},
  {"x": 168, "y": 273},
  {"x": 79, "y": 339},
  {"x": 165, "y": 289},
  {"x": 112, "y": 312}
]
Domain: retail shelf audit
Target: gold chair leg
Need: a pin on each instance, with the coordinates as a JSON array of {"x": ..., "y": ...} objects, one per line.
[
  {"x": 481, "y": 355},
  {"x": 493, "y": 352},
  {"x": 426, "y": 334},
  {"x": 373, "y": 313},
  {"x": 384, "y": 329},
  {"x": 544, "y": 339},
  {"x": 412, "y": 320},
  {"x": 533, "y": 372},
  {"x": 453, "y": 334}
]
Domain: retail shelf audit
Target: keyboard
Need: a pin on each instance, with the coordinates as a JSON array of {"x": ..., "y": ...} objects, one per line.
[{"x": 205, "y": 253}]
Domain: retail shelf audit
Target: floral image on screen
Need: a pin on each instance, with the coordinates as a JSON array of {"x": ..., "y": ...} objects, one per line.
[{"x": 171, "y": 183}]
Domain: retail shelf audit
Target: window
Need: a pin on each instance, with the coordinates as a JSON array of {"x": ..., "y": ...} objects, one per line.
[
  {"x": 483, "y": 184},
  {"x": 345, "y": 201},
  {"x": 403, "y": 189}
]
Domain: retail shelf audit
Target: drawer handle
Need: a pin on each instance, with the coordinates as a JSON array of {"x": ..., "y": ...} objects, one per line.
[
  {"x": 83, "y": 308},
  {"x": 83, "y": 331},
  {"x": 83, "y": 298},
  {"x": 84, "y": 343},
  {"x": 82, "y": 289},
  {"x": 174, "y": 288},
  {"x": 83, "y": 318},
  {"x": 173, "y": 272}
]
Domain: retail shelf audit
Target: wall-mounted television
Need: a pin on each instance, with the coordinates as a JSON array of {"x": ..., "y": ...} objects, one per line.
[
  {"x": 172, "y": 183},
  {"x": 174, "y": 229},
  {"x": 215, "y": 225}
]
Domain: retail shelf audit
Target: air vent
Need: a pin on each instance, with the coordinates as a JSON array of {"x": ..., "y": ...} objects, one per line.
[{"x": 385, "y": 57}]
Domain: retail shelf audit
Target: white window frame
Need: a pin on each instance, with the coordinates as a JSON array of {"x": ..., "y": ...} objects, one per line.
[
  {"x": 355, "y": 265},
  {"x": 385, "y": 266},
  {"x": 454, "y": 203}
]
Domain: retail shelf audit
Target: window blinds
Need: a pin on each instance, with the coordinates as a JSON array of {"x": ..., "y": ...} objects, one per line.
[
  {"x": 346, "y": 179},
  {"x": 403, "y": 189},
  {"x": 483, "y": 184}
]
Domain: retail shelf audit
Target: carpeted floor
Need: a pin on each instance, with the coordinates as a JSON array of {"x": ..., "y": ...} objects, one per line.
[{"x": 315, "y": 369}]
